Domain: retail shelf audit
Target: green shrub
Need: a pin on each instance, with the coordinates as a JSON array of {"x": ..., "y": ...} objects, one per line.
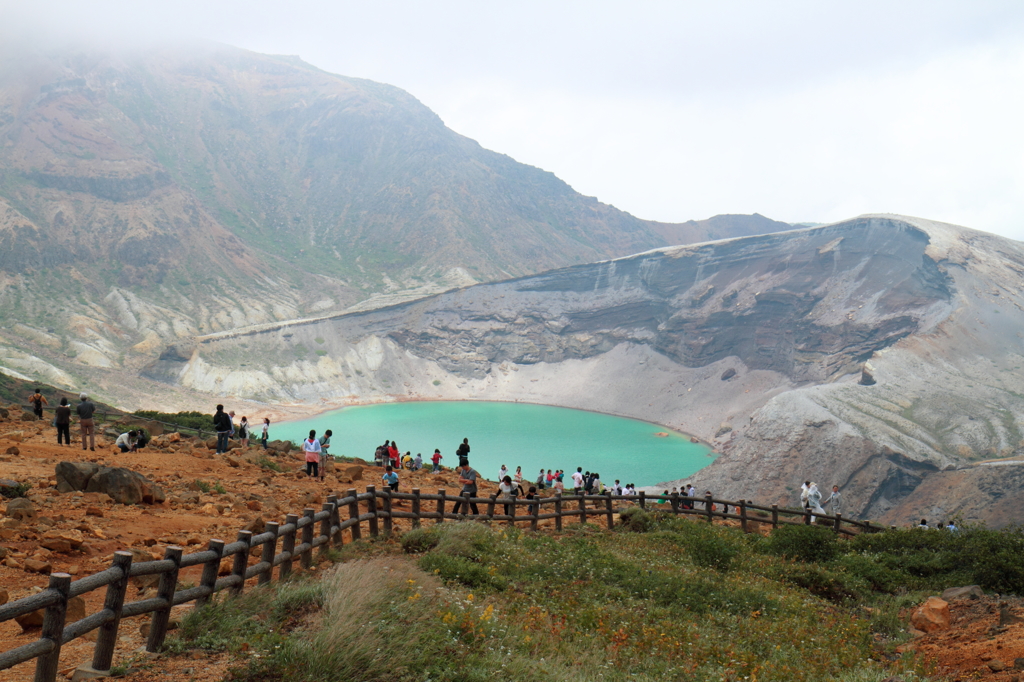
[
  {"x": 466, "y": 540},
  {"x": 461, "y": 570},
  {"x": 636, "y": 520},
  {"x": 803, "y": 543},
  {"x": 935, "y": 559},
  {"x": 13, "y": 491},
  {"x": 203, "y": 486},
  {"x": 874, "y": 573},
  {"x": 419, "y": 540},
  {"x": 830, "y": 582},
  {"x": 265, "y": 462},
  {"x": 709, "y": 546},
  {"x": 191, "y": 420}
]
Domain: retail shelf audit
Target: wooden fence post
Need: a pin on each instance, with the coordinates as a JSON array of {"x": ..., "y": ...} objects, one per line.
[
  {"x": 707, "y": 508},
  {"x": 583, "y": 507},
  {"x": 490, "y": 507},
  {"x": 53, "y": 628},
  {"x": 465, "y": 503},
  {"x": 838, "y": 523},
  {"x": 416, "y": 507},
  {"x": 643, "y": 500},
  {"x": 440, "y": 505},
  {"x": 307, "y": 538},
  {"x": 536, "y": 512},
  {"x": 608, "y": 506},
  {"x": 334, "y": 522},
  {"x": 512, "y": 506},
  {"x": 325, "y": 529},
  {"x": 387, "y": 511},
  {"x": 269, "y": 552},
  {"x": 353, "y": 513},
  {"x": 336, "y": 533},
  {"x": 807, "y": 516},
  {"x": 106, "y": 640},
  {"x": 288, "y": 545},
  {"x": 558, "y": 511},
  {"x": 371, "y": 505},
  {"x": 210, "y": 570},
  {"x": 675, "y": 503},
  {"x": 241, "y": 561},
  {"x": 775, "y": 516},
  {"x": 165, "y": 590}
]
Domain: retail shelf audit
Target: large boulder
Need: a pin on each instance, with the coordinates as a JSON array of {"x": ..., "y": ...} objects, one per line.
[
  {"x": 21, "y": 509},
  {"x": 27, "y": 416},
  {"x": 347, "y": 473},
  {"x": 125, "y": 486},
  {"x": 931, "y": 616},
  {"x": 971, "y": 592},
  {"x": 75, "y": 475}
]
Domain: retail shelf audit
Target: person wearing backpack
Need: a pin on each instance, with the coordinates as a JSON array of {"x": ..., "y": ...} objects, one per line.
[
  {"x": 243, "y": 432},
  {"x": 38, "y": 400}
]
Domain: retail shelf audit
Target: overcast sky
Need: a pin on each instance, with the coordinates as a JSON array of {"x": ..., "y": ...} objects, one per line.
[{"x": 801, "y": 111}]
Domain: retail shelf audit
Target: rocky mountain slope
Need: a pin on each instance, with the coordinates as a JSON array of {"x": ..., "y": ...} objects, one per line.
[
  {"x": 882, "y": 354},
  {"x": 151, "y": 195}
]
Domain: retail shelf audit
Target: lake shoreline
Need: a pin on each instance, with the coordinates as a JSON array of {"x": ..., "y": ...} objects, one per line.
[{"x": 515, "y": 432}]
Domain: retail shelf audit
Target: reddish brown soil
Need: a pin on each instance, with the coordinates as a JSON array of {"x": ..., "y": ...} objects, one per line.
[
  {"x": 250, "y": 491},
  {"x": 974, "y": 644}
]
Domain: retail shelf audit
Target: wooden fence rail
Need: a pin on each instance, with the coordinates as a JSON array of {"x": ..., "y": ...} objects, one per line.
[{"x": 303, "y": 529}]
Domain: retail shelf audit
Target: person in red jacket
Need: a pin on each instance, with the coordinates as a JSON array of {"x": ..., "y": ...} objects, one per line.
[
  {"x": 436, "y": 459},
  {"x": 393, "y": 454}
]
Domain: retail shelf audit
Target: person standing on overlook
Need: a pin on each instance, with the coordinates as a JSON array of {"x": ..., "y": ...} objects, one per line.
[
  {"x": 243, "y": 432},
  {"x": 467, "y": 477},
  {"x": 222, "y": 424},
  {"x": 835, "y": 499},
  {"x": 436, "y": 459},
  {"x": 85, "y": 411},
  {"x": 266, "y": 431},
  {"x": 325, "y": 446},
  {"x": 38, "y": 400},
  {"x": 463, "y": 451},
  {"x": 311, "y": 446},
  {"x": 62, "y": 419}
]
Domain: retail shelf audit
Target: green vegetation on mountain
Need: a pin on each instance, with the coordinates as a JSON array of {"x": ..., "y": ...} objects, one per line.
[{"x": 660, "y": 598}]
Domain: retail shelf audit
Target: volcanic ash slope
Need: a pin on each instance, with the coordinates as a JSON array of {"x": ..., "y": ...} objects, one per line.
[{"x": 767, "y": 346}]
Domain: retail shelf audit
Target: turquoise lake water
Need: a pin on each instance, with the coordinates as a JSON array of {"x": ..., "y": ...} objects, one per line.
[{"x": 514, "y": 434}]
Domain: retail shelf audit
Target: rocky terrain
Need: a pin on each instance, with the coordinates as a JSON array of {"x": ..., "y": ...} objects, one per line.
[
  {"x": 147, "y": 196},
  {"x": 881, "y": 354},
  {"x": 182, "y": 494}
]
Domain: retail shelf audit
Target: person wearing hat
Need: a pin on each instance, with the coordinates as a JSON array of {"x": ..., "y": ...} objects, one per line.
[{"x": 85, "y": 411}]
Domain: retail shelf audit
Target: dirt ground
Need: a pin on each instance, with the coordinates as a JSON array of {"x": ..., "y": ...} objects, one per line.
[
  {"x": 189, "y": 517},
  {"x": 975, "y": 647}
]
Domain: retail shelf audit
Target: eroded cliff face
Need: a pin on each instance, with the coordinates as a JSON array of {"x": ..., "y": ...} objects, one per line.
[{"x": 873, "y": 354}]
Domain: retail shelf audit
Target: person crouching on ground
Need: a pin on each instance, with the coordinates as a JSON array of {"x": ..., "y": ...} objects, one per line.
[
  {"x": 390, "y": 478},
  {"x": 311, "y": 446},
  {"x": 127, "y": 441}
]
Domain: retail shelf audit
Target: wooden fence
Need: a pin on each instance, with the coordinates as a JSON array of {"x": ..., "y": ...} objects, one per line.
[{"x": 300, "y": 535}]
